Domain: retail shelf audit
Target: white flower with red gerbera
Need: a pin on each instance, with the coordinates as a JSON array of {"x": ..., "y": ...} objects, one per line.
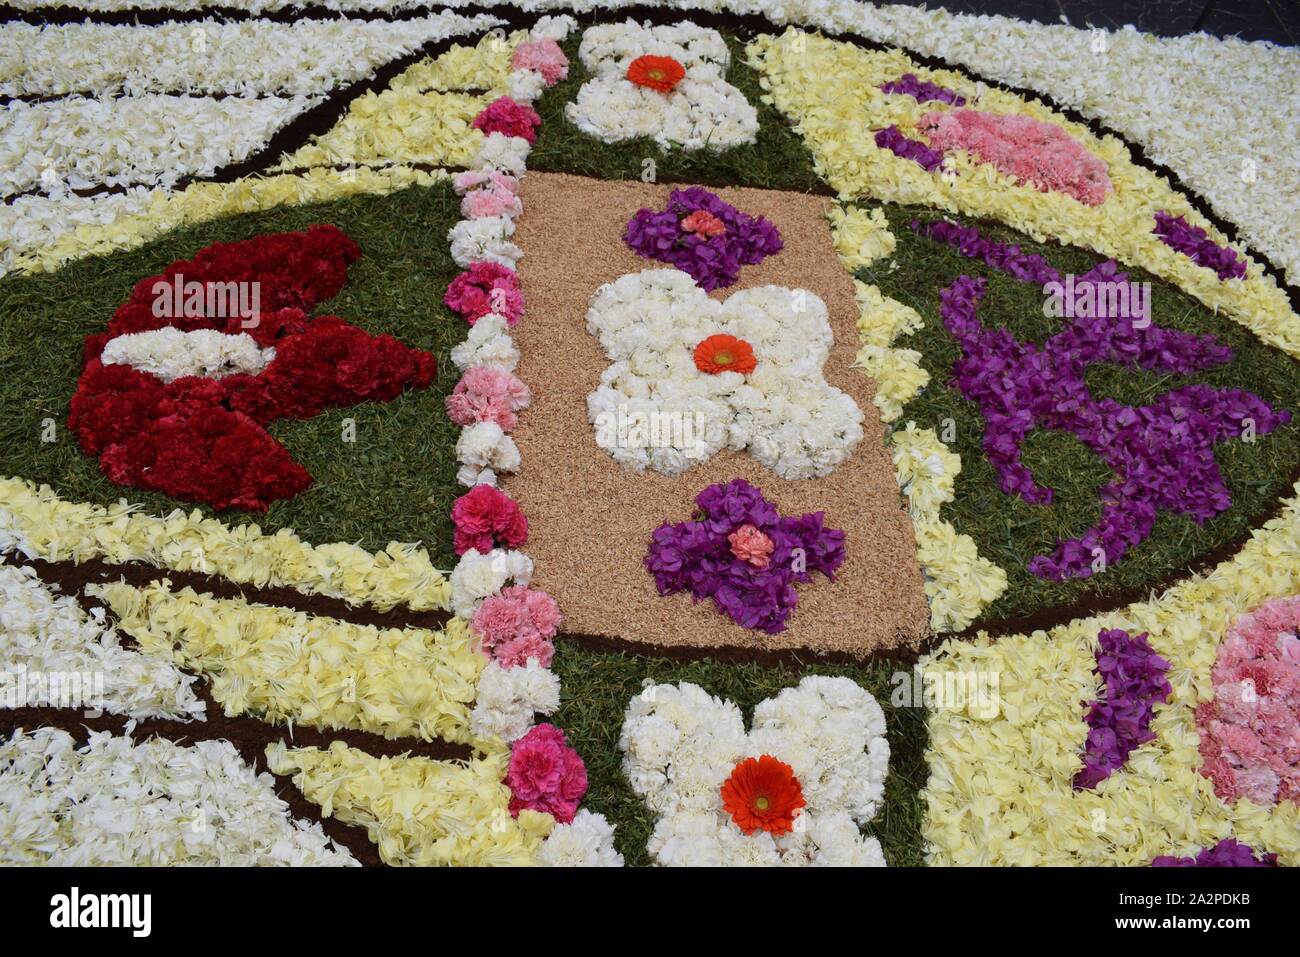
[{"x": 794, "y": 790}]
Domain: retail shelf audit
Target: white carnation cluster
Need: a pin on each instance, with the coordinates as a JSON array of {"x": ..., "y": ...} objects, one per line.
[
  {"x": 117, "y": 803},
  {"x": 702, "y": 111},
  {"x": 655, "y": 408},
  {"x": 680, "y": 745},
  {"x": 46, "y": 640},
  {"x": 586, "y": 841},
  {"x": 508, "y": 698},
  {"x": 488, "y": 343},
  {"x": 171, "y": 354},
  {"x": 484, "y": 240},
  {"x": 480, "y": 574}
]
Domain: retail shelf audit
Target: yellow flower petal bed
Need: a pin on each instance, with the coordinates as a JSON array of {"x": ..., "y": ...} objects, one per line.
[
  {"x": 897, "y": 372},
  {"x": 398, "y": 126},
  {"x": 861, "y": 236},
  {"x": 50, "y": 528},
  {"x": 202, "y": 202},
  {"x": 1000, "y": 790},
  {"x": 286, "y": 666},
  {"x": 483, "y": 66},
  {"x": 418, "y": 811},
  {"x": 958, "y": 582},
  {"x": 829, "y": 90}
]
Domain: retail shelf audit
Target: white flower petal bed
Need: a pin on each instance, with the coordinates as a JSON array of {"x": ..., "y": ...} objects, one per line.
[
  {"x": 115, "y": 802},
  {"x": 49, "y": 647},
  {"x": 209, "y": 56},
  {"x": 81, "y": 142}
]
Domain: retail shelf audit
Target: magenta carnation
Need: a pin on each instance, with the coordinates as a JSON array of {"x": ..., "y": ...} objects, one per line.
[
  {"x": 1032, "y": 151},
  {"x": 504, "y": 115},
  {"x": 486, "y": 517},
  {"x": 486, "y": 287},
  {"x": 487, "y": 393},
  {"x": 545, "y": 774},
  {"x": 541, "y": 56},
  {"x": 1250, "y": 731},
  {"x": 1227, "y": 853}
]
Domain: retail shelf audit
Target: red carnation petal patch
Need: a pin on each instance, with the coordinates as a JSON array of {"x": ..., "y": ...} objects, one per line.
[{"x": 204, "y": 440}]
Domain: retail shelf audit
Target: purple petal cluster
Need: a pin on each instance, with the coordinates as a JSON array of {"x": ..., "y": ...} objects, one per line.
[
  {"x": 923, "y": 91},
  {"x": 1133, "y": 676},
  {"x": 892, "y": 139},
  {"x": 696, "y": 556},
  {"x": 1005, "y": 257},
  {"x": 1227, "y": 853},
  {"x": 1162, "y": 454},
  {"x": 713, "y": 262},
  {"x": 1194, "y": 243}
]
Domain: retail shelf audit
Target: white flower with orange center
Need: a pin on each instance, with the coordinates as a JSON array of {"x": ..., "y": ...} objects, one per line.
[
  {"x": 664, "y": 82},
  {"x": 794, "y": 790},
  {"x": 691, "y": 376}
]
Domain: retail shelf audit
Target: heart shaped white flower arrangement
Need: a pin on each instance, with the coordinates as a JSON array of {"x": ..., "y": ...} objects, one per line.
[
  {"x": 792, "y": 791},
  {"x": 691, "y": 375}
]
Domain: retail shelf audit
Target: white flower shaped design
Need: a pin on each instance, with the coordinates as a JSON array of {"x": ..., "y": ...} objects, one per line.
[
  {"x": 681, "y": 745},
  {"x": 656, "y": 408},
  {"x": 702, "y": 111}
]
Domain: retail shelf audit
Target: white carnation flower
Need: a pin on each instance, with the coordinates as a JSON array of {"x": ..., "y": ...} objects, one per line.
[{"x": 587, "y": 841}]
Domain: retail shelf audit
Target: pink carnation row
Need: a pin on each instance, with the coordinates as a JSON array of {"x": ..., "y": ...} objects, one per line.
[
  {"x": 487, "y": 393},
  {"x": 486, "y": 287},
  {"x": 517, "y": 624},
  {"x": 544, "y": 57},
  {"x": 545, "y": 774},
  {"x": 1028, "y": 149},
  {"x": 1250, "y": 732},
  {"x": 486, "y": 517},
  {"x": 503, "y": 115}
]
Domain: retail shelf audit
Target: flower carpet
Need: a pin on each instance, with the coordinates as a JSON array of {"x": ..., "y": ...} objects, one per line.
[{"x": 717, "y": 433}]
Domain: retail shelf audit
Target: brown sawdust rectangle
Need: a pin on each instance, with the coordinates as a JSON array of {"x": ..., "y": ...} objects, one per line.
[{"x": 591, "y": 519}]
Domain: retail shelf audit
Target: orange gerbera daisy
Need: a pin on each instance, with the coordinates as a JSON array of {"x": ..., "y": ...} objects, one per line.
[
  {"x": 762, "y": 794},
  {"x": 660, "y": 73},
  {"x": 725, "y": 354}
]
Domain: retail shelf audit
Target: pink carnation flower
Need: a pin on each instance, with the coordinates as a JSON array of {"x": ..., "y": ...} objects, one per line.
[
  {"x": 486, "y": 287},
  {"x": 1020, "y": 146},
  {"x": 504, "y": 115},
  {"x": 545, "y": 774},
  {"x": 462, "y": 183},
  {"x": 487, "y": 393},
  {"x": 481, "y": 203},
  {"x": 516, "y": 624},
  {"x": 1250, "y": 732},
  {"x": 544, "y": 57},
  {"x": 485, "y": 517}
]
